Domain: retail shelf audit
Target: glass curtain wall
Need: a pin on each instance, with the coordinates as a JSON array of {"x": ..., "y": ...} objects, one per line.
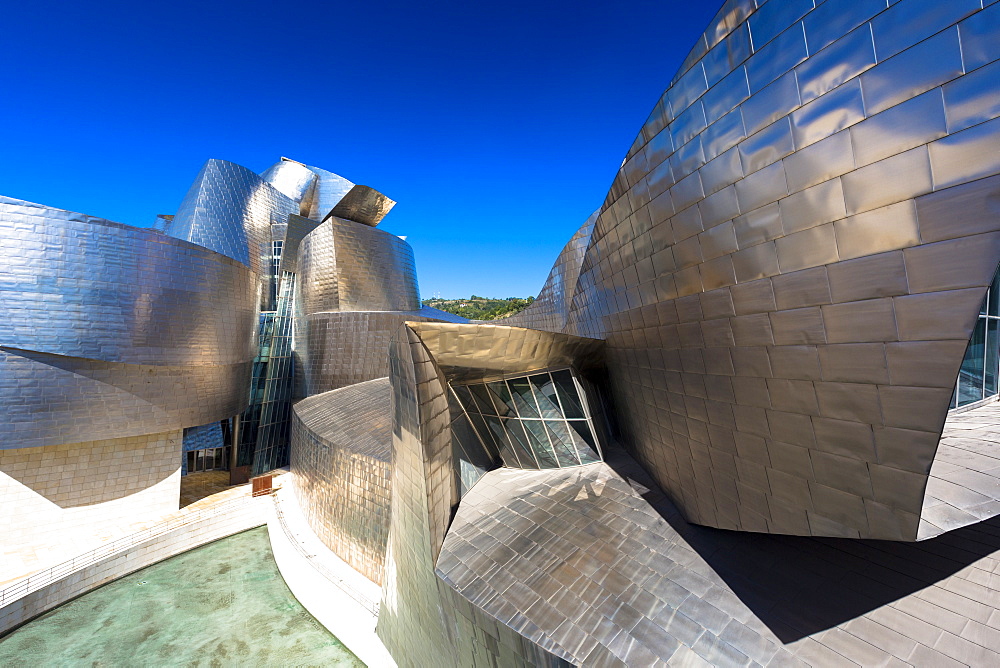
[
  {"x": 977, "y": 379},
  {"x": 537, "y": 421}
]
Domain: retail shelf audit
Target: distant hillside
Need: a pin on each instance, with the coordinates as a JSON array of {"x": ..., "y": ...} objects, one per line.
[{"x": 480, "y": 308}]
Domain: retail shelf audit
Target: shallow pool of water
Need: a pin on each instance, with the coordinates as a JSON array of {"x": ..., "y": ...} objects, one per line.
[{"x": 222, "y": 604}]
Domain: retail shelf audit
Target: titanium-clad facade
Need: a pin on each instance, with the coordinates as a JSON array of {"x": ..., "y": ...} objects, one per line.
[
  {"x": 341, "y": 445},
  {"x": 791, "y": 261},
  {"x": 768, "y": 319},
  {"x": 785, "y": 275},
  {"x": 111, "y": 331}
]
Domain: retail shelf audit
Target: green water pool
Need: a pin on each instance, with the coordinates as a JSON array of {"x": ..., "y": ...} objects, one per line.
[{"x": 222, "y": 604}]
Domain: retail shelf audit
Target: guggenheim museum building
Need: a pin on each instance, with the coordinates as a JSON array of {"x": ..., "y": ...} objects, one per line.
[{"x": 750, "y": 420}]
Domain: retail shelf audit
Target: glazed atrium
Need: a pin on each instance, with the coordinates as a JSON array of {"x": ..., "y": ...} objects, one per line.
[{"x": 750, "y": 419}]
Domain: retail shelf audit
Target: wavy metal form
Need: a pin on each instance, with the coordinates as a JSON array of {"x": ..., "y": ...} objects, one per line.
[
  {"x": 341, "y": 445},
  {"x": 330, "y": 189},
  {"x": 422, "y": 620},
  {"x": 349, "y": 266},
  {"x": 113, "y": 331},
  {"x": 81, "y": 286},
  {"x": 363, "y": 204},
  {"x": 295, "y": 181},
  {"x": 230, "y": 210},
  {"x": 338, "y": 349},
  {"x": 550, "y": 311},
  {"x": 791, "y": 260}
]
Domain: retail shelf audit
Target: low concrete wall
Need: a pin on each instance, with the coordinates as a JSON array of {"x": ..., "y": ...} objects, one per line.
[{"x": 25, "y": 599}]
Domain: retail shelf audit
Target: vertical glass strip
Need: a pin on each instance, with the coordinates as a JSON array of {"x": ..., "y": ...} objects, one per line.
[
  {"x": 562, "y": 442},
  {"x": 529, "y": 460},
  {"x": 524, "y": 400},
  {"x": 545, "y": 395}
]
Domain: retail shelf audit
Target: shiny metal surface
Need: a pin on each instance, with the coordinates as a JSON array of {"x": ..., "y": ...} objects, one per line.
[
  {"x": 733, "y": 294},
  {"x": 114, "y": 331},
  {"x": 294, "y": 180},
  {"x": 341, "y": 445},
  {"x": 340, "y": 348},
  {"x": 362, "y": 204},
  {"x": 330, "y": 189},
  {"x": 230, "y": 210},
  {"x": 348, "y": 266}
]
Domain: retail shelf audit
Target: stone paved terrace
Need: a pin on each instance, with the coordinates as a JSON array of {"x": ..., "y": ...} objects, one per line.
[{"x": 964, "y": 487}]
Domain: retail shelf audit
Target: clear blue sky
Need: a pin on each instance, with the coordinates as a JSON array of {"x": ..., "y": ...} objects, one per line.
[{"x": 498, "y": 127}]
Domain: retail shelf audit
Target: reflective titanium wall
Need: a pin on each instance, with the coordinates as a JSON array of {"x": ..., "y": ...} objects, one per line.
[
  {"x": 791, "y": 260},
  {"x": 110, "y": 331}
]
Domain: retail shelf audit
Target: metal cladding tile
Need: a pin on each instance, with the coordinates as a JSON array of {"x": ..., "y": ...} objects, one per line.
[
  {"x": 960, "y": 210},
  {"x": 871, "y": 277},
  {"x": 938, "y": 315},
  {"x": 966, "y": 156},
  {"x": 897, "y": 178}
]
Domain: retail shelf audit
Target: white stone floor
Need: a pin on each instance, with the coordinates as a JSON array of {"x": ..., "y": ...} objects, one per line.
[
  {"x": 340, "y": 598},
  {"x": 964, "y": 484}
]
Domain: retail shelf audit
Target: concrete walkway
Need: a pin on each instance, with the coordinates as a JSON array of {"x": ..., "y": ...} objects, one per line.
[{"x": 340, "y": 598}]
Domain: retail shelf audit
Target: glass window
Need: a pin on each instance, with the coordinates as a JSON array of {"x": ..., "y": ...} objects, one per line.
[
  {"x": 583, "y": 438},
  {"x": 501, "y": 398},
  {"x": 562, "y": 442},
  {"x": 524, "y": 399},
  {"x": 545, "y": 395},
  {"x": 970, "y": 377},
  {"x": 523, "y": 421},
  {"x": 992, "y": 357},
  {"x": 465, "y": 397},
  {"x": 568, "y": 394},
  {"x": 540, "y": 445},
  {"x": 483, "y": 400}
]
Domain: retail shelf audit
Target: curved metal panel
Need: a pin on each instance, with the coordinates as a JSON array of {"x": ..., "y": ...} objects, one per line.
[
  {"x": 363, "y": 204},
  {"x": 348, "y": 266},
  {"x": 330, "y": 189},
  {"x": 294, "y": 180},
  {"x": 230, "y": 210},
  {"x": 342, "y": 348},
  {"x": 51, "y": 399},
  {"x": 341, "y": 446},
  {"x": 801, "y": 221},
  {"x": 550, "y": 311},
  {"x": 80, "y": 286}
]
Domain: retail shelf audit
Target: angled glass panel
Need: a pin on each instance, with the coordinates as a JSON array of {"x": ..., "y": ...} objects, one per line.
[
  {"x": 483, "y": 399},
  {"x": 562, "y": 442},
  {"x": 465, "y": 397},
  {"x": 518, "y": 443},
  {"x": 508, "y": 450},
  {"x": 568, "y": 394},
  {"x": 485, "y": 434},
  {"x": 524, "y": 399},
  {"x": 970, "y": 377},
  {"x": 501, "y": 398},
  {"x": 539, "y": 443},
  {"x": 583, "y": 438},
  {"x": 992, "y": 361},
  {"x": 545, "y": 395}
]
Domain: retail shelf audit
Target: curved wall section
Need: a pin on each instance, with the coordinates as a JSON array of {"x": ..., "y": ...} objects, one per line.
[
  {"x": 792, "y": 256},
  {"x": 341, "y": 447},
  {"x": 330, "y": 189},
  {"x": 50, "y": 399},
  {"x": 349, "y": 266},
  {"x": 230, "y": 210},
  {"x": 342, "y": 348},
  {"x": 294, "y": 180},
  {"x": 85, "y": 287}
]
